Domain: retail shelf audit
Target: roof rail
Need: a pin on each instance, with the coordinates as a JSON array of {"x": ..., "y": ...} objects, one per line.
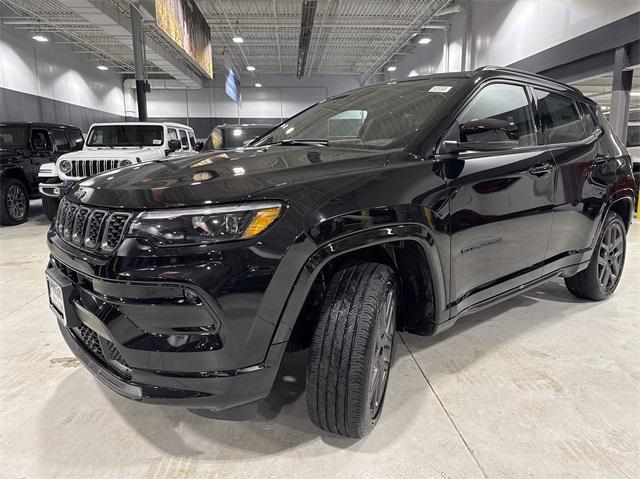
[{"x": 524, "y": 72}]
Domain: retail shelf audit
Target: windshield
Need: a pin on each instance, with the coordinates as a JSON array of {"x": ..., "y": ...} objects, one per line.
[
  {"x": 126, "y": 135},
  {"x": 12, "y": 137},
  {"x": 233, "y": 137},
  {"x": 382, "y": 117}
]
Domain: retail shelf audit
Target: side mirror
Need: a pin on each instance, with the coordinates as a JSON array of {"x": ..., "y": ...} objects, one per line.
[
  {"x": 199, "y": 145},
  {"x": 174, "y": 145},
  {"x": 487, "y": 134}
]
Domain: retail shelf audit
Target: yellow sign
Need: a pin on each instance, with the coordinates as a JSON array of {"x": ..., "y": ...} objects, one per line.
[{"x": 183, "y": 22}]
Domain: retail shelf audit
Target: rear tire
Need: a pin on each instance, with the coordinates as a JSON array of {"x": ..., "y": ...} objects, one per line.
[
  {"x": 50, "y": 207},
  {"x": 14, "y": 202},
  {"x": 601, "y": 278},
  {"x": 351, "y": 350}
]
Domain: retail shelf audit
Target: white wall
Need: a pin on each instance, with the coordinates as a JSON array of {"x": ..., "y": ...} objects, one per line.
[
  {"x": 280, "y": 97},
  {"x": 51, "y": 70},
  {"x": 505, "y": 31}
]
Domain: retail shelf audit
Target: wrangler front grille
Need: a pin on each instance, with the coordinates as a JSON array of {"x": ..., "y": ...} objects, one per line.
[
  {"x": 91, "y": 229},
  {"x": 84, "y": 168}
]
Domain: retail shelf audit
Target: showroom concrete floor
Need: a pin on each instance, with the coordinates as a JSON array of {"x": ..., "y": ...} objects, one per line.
[{"x": 542, "y": 386}]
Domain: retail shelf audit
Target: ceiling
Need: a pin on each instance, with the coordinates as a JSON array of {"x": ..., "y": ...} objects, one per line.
[{"x": 348, "y": 36}]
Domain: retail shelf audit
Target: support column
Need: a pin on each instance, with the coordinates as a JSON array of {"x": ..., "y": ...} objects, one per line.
[
  {"x": 621, "y": 93},
  {"x": 138, "y": 59}
]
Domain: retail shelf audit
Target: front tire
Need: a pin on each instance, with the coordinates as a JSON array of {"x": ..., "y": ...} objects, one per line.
[
  {"x": 351, "y": 350},
  {"x": 14, "y": 202},
  {"x": 601, "y": 278}
]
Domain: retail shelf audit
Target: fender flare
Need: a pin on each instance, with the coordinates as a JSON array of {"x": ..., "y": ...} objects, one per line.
[{"x": 350, "y": 243}]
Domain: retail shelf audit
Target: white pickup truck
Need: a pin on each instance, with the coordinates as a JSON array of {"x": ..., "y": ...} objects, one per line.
[{"x": 110, "y": 146}]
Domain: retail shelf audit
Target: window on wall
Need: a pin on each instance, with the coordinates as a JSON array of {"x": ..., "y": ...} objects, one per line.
[
  {"x": 560, "y": 118},
  {"x": 509, "y": 106}
]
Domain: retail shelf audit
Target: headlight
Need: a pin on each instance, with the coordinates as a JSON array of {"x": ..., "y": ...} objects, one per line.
[
  {"x": 65, "y": 166},
  {"x": 204, "y": 225},
  {"x": 125, "y": 162}
]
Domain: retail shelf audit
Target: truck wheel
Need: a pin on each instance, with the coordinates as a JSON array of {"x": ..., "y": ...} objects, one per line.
[
  {"x": 601, "y": 278},
  {"x": 50, "y": 207},
  {"x": 351, "y": 350},
  {"x": 15, "y": 202}
]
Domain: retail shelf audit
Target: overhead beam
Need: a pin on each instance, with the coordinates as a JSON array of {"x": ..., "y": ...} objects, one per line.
[{"x": 306, "y": 26}]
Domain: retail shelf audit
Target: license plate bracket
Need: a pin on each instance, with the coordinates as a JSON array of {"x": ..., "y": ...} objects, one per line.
[{"x": 60, "y": 289}]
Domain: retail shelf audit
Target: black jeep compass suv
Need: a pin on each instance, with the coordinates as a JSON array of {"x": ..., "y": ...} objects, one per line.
[{"x": 395, "y": 207}]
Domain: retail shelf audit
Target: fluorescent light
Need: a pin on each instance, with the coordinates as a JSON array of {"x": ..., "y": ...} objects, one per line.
[
  {"x": 238, "y": 39},
  {"x": 40, "y": 38},
  {"x": 102, "y": 67},
  {"x": 392, "y": 68},
  {"x": 424, "y": 40},
  {"x": 257, "y": 85},
  {"x": 251, "y": 68}
]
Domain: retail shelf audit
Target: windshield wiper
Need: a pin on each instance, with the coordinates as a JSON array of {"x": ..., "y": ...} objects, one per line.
[
  {"x": 301, "y": 142},
  {"x": 101, "y": 144}
]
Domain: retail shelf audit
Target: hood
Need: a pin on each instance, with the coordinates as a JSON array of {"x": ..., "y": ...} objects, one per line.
[
  {"x": 115, "y": 153},
  {"x": 220, "y": 177}
]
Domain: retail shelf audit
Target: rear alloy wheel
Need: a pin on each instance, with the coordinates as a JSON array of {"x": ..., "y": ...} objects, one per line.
[
  {"x": 601, "y": 278},
  {"x": 351, "y": 350},
  {"x": 15, "y": 202}
]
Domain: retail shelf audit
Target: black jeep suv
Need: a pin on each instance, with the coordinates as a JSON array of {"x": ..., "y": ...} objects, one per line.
[
  {"x": 23, "y": 148},
  {"x": 395, "y": 207}
]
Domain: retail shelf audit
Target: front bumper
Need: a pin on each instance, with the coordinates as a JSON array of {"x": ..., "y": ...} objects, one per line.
[
  {"x": 54, "y": 190},
  {"x": 165, "y": 351}
]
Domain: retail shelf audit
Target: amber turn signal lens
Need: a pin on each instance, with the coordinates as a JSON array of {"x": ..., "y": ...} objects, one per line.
[{"x": 261, "y": 221}]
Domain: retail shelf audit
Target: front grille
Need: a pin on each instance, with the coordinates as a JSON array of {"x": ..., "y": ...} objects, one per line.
[
  {"x": 91, "y": 229},
  {"x": 115, "y": 354},
  {"x": 84, "y": 168},
  {"x": 103, "y": 349},
  {"x": 90, "y": 339}
]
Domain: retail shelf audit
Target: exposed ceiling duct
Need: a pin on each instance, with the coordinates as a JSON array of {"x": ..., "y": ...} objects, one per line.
[{"x": 306, "y": 27}]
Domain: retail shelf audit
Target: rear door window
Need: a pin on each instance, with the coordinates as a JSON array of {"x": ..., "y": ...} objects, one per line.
[
  {"x": 75, "y": 139},
  {"x": 40, "y": 140},
  {"x": 588, "y": 119},
  {"x": 560, "y": 118},
  {"x": 61, "y": 141},
  {"x": 184, "y": 139}
]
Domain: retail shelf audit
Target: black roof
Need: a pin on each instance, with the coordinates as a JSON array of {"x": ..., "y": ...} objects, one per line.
[{"x": 37, "y": 124}]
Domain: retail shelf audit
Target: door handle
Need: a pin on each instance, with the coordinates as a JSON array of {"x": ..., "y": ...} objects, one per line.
[{"x": 541, "y": 169}]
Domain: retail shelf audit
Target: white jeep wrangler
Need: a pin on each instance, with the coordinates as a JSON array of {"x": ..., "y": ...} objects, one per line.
[{"x": 110, "y": 146}]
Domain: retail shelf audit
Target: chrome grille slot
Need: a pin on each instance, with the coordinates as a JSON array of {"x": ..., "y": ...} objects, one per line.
[
  {"x": 78, "y": 226},
  {"x": 114, "y": 231},
  {"x": 68, "y": 220},
  {"x": 93, "y": 229}
]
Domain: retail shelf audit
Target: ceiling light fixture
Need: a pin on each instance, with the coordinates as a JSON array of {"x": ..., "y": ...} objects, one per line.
[
  {"x": 40, "y": 38},
  {"x": 257, "y": 85},
  {"x": 237, "y": 34},
  {"x": 392, "y": 68},
  {"x": 424, "y": 40},
  {"x": 251, "y": 68},
  {"x": 102, "y": 67}
]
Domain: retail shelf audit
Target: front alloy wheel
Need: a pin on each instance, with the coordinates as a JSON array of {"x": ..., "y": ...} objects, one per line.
[{"x": 15, "y": 202}]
